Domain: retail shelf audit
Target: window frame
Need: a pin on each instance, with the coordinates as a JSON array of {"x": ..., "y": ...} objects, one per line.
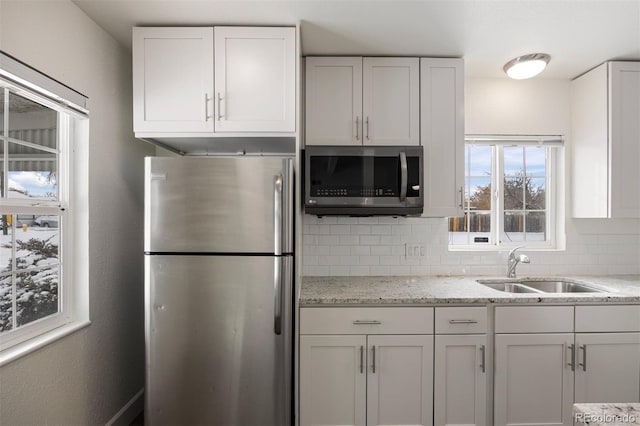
[
  {"x": 72, "y": 296},
  {"x": 554, "y": 155}
]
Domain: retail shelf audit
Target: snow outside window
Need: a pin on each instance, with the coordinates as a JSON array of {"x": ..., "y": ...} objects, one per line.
[
  {"x": 34, "y": 216},
  {"x": 510, "y": 194}
]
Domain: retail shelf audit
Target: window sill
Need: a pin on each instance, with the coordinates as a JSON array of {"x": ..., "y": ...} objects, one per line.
[{"x": 31, "y": 345}]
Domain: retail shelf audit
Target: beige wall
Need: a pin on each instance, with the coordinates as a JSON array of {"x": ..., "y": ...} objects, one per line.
[{"x": 85, "y": 378}]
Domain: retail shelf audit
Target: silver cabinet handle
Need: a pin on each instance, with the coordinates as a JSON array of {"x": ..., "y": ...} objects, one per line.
[
  {"x": 357, "y": 128},
  {"x": 584, "y": 357},
  {"x": 219, "y": 101},
  {"x": 483, "y": 358},
  {"x": 367, "y": 123},
  {"x": 206, "y": 107},
  {"x": 461, "y": 191},
  {"x": 572, "y": 361},
  {"x": 366, "y": 322},
  {"x": 463, "y": 321},
  {"x": 373, "y": 364},
  {"x": 277, "y": 295},
  {"x": 277, "y": 215},
  {"x": 403, "y": 176},
  {"x": 361, "y": 359}
]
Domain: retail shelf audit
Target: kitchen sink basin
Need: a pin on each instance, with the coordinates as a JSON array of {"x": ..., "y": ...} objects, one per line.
[
  {"x": 511, "y": 287},
  {"x": 528, "y": 286},
  {"x": 560, "y": 287}
]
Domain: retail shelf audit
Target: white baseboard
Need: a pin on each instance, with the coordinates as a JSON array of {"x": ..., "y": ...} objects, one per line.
[{"x": 130, "y": 411}]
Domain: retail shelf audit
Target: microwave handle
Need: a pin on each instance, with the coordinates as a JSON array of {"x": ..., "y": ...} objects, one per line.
[{"x": 403, "y": 176}]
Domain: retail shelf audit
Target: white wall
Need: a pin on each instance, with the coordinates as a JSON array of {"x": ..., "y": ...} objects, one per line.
[
  {"x": 376, "y": 246},
  {"x": 85, "y": 378}
]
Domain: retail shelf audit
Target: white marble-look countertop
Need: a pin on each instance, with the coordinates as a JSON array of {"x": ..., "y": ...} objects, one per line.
[
  {"x": 607, "y": 414},
  {"x": 419, "y": 290}
]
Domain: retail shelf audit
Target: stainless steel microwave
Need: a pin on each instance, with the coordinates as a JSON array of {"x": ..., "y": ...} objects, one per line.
[{"x": 363, "y": 180}]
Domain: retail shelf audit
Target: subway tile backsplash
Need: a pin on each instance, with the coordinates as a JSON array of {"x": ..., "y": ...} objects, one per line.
[{"x": 377, "y": 246}]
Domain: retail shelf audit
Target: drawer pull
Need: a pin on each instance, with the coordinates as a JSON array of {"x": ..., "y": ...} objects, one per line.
[
  {"x": 462, "y": 321},
  {"x": 366, "y": 322}
]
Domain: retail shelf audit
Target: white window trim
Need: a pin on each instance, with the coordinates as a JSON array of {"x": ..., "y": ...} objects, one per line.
[
  {"x": 553, "y": 193},
  {"x": 73, "y": 279}
]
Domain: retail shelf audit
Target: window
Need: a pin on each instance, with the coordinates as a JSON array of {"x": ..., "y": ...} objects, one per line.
[
  {"x": 36, "y": 230},
  {"x": 510, "y": 194}
]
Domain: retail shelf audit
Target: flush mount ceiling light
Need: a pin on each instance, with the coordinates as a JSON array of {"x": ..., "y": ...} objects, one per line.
[{"x": 526, "y": 66}]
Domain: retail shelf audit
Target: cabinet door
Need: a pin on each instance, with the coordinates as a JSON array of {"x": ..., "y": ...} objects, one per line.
[
  {"x": 533, "y": 379},
  {"x": 255, "y": 79},
  {"x": 607, "y": 367},
  {"x": 391, "y": 101},
  {"x": 624, "y": 134},
  {"x": 172, "y": 79},
  {"x": 333, "y": 101},
  {"x": 333, "y": 380},
  {"x": 442, "y": 135},
  {"x": 460, "y": 380},
  {"x": 400, "y": 380}
]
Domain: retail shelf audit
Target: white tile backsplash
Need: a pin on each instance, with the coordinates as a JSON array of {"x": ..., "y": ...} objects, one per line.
[{"x": 376, "y": 246}]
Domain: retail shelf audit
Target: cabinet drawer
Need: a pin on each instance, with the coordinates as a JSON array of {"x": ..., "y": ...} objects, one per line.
[
  {"x": 594, "y": 319},
  {"x": 534, "y": 319},
  {"x": 366, "y": 320},
  {"x": 463, "y": 320}
]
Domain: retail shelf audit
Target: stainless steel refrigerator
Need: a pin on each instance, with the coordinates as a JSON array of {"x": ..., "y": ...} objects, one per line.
[{"x": 218, "y": 290}]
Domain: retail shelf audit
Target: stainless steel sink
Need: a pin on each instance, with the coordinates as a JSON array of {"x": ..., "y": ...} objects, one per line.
[
  {"x": 560, "y": 287},
  {"x": 529, "y": 286},
  {"x": 511, "y": 287}
]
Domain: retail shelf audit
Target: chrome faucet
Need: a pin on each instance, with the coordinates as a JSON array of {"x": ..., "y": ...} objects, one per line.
[{"x": 514, "y": 260}]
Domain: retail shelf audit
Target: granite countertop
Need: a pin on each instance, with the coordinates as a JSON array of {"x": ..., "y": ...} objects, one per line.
[
  {"x": 418, "y": 290},
  {"x": 607, "y": 414}
]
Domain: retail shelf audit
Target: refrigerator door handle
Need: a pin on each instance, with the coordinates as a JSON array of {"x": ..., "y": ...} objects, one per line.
[
  {"x": 277, "y": 215},
  {"x": 277, "y": 294}
]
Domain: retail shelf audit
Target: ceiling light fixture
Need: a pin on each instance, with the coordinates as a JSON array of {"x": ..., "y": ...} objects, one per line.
[{"x": 526, "y": 66}]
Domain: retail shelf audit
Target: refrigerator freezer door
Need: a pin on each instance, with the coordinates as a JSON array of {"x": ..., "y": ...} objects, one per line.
[
  {"x": 213, "y": 356},
  {"x": 218, "y": 205}
]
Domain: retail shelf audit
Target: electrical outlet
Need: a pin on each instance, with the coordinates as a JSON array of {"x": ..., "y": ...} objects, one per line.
[{"x": 413, "y": 250}]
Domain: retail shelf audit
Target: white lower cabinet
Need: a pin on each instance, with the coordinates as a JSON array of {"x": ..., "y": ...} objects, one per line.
[
  {"x": 383, "y": 366},
  {"x": 533, "y": 379},
  {"x": 366, "y": 380},
  {"x": 370, "y": 378},
  {"x": 460, "y": 380},
  {"x": 460, "y": 366},
  {"x": 333, "y": 380},
  {"x": 607, "y": 367}
]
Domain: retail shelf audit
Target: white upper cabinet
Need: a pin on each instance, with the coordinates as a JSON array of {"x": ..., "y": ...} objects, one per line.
[
  {"x": 362, "y": 101},
  {"x": 172, "y": 79},
  {"x": 255, "y": 78},
  {"x": 334, "y": 101},
  {"x": 606, "y": 141},
  {"x": 255, "y": 81},
  {"x": 442, "y": 135},
  {"x": 390, "y": 101}
]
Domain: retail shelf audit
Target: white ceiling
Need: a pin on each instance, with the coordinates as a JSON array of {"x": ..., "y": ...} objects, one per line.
[{"x": 578, "y": 34}]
